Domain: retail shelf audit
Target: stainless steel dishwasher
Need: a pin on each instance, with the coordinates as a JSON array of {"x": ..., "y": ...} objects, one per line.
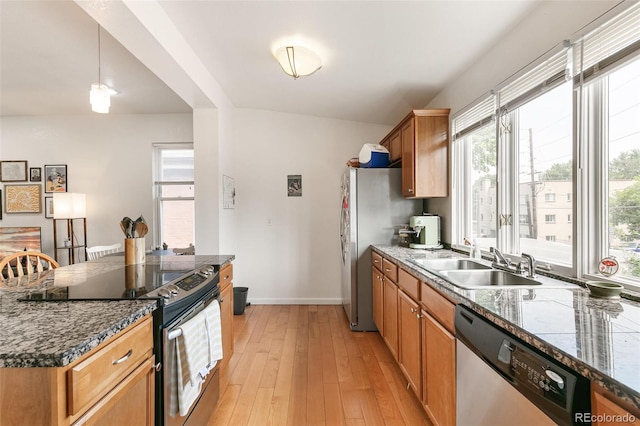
[{"x": 501, "y": 380}]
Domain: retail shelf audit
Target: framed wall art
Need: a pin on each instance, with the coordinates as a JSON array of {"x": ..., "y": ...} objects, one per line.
[
  {"x": 48, "y": 207},
  {"x": 294, "y": 185},
  {"x": 55, "y": 178},
  {"x": 23, "y": 198},
  {"x": 35, "y": 174},
  {"x": 13, "y": 171}
]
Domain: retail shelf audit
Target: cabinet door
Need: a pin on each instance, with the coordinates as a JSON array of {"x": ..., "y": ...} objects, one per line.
[
  {"x": 408, "y": 139},
  {"x": 390, "y": 316},
  {"x": 431, "y": 154},
  {"x": 226, "y": 321},
  {"x": 602, "y": 407},
  {"x": 409, "y": 341},
  {"x": 131, "y": 402},
  {"x": 395, "y": 147},
  {"x": 378, "y": 295},
  {"x": 439, "y": 371}
]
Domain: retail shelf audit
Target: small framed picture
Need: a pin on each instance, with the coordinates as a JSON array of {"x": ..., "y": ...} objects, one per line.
[
  {"x": 48, "y": 207},
  {"x": 0, "y": 204},
  {"x": 13, "y": 171},
  {"x": 23, "y": 198},
  {"x": 55, "y": 178},
  {"x": 294, "y": 185},
  {"x": 35, "y": 174}
]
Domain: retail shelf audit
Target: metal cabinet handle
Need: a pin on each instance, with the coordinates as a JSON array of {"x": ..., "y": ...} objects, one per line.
[
  {"x": 387, "y": 270},
  {"x": 409, "y": 190},
  {"x": 221, "y": 300},
  {"x": 226, "y": 278},
  {"x": 413, "y": 311},
  {"x": 124, "y": 358}
]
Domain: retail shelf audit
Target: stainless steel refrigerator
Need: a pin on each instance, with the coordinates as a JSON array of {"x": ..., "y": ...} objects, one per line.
[{"x": 372, "y": 211}]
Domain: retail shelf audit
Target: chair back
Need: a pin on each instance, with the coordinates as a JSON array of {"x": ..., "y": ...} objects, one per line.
[
  {"x": 188, "y": 251},
  {"x": 26, "y": 261},
  {"x": 96, "y": 252}
]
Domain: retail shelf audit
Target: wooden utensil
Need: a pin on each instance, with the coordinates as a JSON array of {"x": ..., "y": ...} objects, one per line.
[{"x": 142, "y": 229}]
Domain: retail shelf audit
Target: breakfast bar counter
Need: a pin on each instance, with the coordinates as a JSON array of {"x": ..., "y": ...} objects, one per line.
[{"x": 55, "y": 333}]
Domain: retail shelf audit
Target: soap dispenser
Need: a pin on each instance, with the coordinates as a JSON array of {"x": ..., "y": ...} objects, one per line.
[{"x": 474, "y": 251}]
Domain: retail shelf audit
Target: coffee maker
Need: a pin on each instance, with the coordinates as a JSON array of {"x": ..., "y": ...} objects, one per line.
[{"x": 426, "y": 232}]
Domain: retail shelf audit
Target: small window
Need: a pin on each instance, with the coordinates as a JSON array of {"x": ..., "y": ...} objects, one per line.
[
  {"x": 569, "y": 221},
  {"x": 549, "y": 197},
  {"x": 568, "y": 197},
  {"x": 550, "y": 218},
  {"x": 550, "y": 237}
]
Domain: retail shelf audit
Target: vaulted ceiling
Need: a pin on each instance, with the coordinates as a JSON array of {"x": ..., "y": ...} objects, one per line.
[{"x": 381, "y": 58}]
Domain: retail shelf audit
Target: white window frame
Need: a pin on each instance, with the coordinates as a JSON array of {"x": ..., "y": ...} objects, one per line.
[
  {"x": 157, "y": 184},
  {"x": 620, "y": 35}
]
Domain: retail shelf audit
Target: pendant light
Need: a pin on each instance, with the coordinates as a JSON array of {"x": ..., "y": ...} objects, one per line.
[
  {"x": 99, "y": 96},
  {"x": 298, "y": 61}
]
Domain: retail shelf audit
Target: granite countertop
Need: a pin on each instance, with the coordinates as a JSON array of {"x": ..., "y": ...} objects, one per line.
[
  {"x": 598, "y": 338},
  {"x": 54, "y": 334}
]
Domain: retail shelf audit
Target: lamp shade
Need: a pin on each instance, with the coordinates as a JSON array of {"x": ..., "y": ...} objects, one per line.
[
  {"x": 100, "y": 98},
  {"x": 69, "y": 205},
  {"x": 298, "y": 61}
]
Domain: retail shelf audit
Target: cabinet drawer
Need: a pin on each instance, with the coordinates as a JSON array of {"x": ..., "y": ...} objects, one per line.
[
  {"x": 226, "y": 275},
  {"x": 409, "y": 283},
  {"x": 438, "y": 306},
  {"x": 92, "y": 378},
  {"x": 376, "y": 260},
  {"x": 390, "y": 270}
]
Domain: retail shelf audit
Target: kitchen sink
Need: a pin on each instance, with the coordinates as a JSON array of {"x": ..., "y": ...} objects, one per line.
[
  {"x": 471, "y": 279},
  {"x": 437, "y": 265}
]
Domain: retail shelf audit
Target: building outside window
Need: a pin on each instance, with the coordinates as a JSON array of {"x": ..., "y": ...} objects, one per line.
[
  {"x": 573, "y": 114},
  {"x": 174, "y": 195}
]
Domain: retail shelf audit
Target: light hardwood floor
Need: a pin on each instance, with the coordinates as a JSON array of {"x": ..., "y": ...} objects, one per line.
[{"x": 302, "y": 365}]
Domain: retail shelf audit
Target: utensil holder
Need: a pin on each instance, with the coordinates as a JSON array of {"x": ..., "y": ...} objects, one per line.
[{"x": 134, "y": 251}]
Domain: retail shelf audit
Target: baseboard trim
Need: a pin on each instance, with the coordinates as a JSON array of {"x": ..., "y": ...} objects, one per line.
[{"x": 268, "y": 301}]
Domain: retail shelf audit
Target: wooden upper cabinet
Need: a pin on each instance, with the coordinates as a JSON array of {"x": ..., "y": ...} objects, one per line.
[
  {"x": 395, "y": 147},
  {"x": 424, "y": 145}
]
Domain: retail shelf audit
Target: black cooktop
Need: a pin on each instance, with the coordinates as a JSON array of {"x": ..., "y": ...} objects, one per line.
[{"x": 128, "y": 282}]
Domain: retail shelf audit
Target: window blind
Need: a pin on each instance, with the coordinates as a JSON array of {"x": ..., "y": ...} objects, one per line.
[
  {"x": 478, "y": 115},
  {"x": 611, "y": 43},
  {"x": 549, "y": 74}
]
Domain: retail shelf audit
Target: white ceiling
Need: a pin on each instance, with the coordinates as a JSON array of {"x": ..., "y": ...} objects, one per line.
[{"x": 381, "y": 58}]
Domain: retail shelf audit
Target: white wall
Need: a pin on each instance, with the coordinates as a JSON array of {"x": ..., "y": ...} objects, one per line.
[
  {"x": 288, "y": 247},
  {"x": 544, "y": 28},
  {"x": 108, "y": 157}
]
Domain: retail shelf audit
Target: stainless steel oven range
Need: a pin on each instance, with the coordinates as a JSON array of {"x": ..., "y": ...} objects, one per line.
[{"x": 182, "y": 287}]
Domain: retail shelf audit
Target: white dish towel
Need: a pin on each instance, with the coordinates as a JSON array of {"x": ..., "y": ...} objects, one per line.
[
  {"x": 214, "y": 332},
  {"x": 192, "y": 360},
  {"x": 195, "y": 352}
]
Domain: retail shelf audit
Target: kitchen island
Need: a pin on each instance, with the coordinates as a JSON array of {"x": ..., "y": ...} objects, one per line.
[
  {"x": 54, "y": 334},
  {"x": 598, "y": 338},
  {"x": 81, "y": 343}
]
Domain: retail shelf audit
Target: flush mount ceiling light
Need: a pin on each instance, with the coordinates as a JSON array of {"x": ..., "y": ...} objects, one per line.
[
  {"x": 100, "y": 94},
  {"x": 297, "y": 61}
]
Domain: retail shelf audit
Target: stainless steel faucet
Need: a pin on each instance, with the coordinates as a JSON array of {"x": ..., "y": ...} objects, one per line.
[
  {"x": 531, "y": 263},
  {"x": 499, "y": 258}
]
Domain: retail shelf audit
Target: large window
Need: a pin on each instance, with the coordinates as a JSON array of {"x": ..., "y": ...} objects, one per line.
[
  {"x": 565, "y": 143},
  {"x": 623, "y": 172},
  {"x": 174, "y": 194}
]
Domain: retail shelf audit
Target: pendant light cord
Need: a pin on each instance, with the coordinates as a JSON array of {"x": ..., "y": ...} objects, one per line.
[{"x": 99, "y": 63}]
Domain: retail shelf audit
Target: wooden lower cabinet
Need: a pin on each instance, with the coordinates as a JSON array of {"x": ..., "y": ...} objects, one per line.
[
  {"x": 226, "y": 310},
  {"x": 91, "y": 390},
  {"x": 390, "y": 316},
  {"x": 605, "y": 411},
  {"x": 438, "y": 371},
  {"x": 377, "y": 296},
  {"x": 409, "y": 346},
  {"x": 131, "y": 402}
]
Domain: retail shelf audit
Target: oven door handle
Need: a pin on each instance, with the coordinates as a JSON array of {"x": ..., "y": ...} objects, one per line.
[{"x": 176, "y": 331}]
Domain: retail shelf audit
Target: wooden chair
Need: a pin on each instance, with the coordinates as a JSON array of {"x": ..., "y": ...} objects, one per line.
[
  {"x": 96, "y": 252},
  {"x": 30, "y": 261},
  {"x": 189, "y": 250}
]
